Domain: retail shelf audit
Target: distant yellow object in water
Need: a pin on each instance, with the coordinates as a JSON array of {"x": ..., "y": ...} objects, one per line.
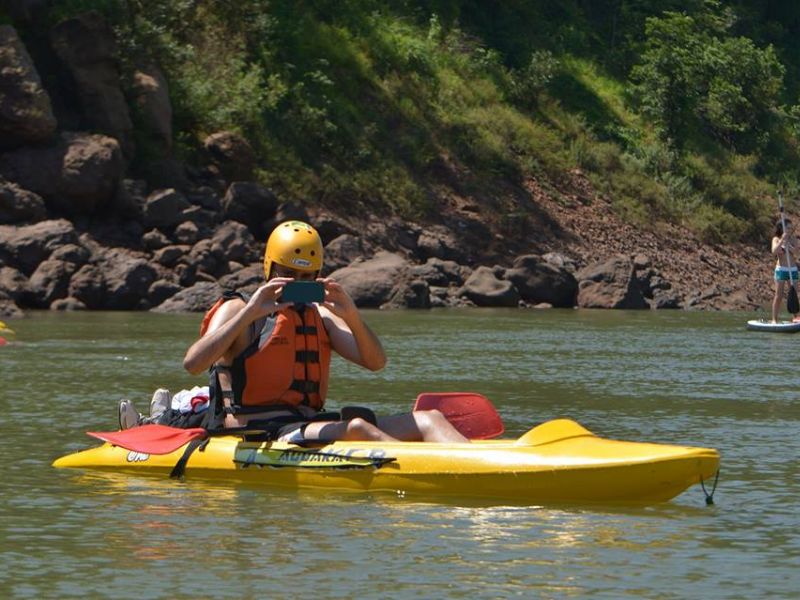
[{"x": 5, "y": 332}]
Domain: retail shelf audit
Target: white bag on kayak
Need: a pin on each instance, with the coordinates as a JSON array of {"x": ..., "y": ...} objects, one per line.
[{"x": 194, "y": 400}]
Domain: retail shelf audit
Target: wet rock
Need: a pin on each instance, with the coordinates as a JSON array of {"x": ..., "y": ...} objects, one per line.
[
  {"x": 161, "y": 290},
  {"x": 67, "y": 304},
  {"x": 438, "y": 272},
  {"x": 410, "y": 294},
  {"x": 50, "y": 281},
  {"x": 484, "y": 288},
  {"x": 88, "y": 285},
  {"x": 610, "y": 284},
  {"x": 538, "y": 280},
  {"x": 198, "y": 298},
  {"x": 127, "y": 282}
]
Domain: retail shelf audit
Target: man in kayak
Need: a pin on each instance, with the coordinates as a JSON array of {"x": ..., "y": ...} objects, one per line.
[{"x": 269, "y": 360}]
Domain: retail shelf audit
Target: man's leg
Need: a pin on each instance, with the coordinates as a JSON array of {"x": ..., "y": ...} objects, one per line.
[
  {"x": 421, "y": 425},
  {"x": 353, "y": 430}
]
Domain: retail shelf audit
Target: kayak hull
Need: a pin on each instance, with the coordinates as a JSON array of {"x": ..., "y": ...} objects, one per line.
[
  {"x": 782, "y": 327},
  {"x": 558, "y": 461}
]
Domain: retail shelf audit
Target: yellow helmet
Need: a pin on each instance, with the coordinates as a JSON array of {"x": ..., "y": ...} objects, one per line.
[{"x": 294, "y": 245}]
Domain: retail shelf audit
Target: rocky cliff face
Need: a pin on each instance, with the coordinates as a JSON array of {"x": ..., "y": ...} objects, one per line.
[{"x": 78, "y": 230}]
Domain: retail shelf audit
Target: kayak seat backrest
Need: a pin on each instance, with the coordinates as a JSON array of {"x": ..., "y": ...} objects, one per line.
[{"x": 473, "y": 415}]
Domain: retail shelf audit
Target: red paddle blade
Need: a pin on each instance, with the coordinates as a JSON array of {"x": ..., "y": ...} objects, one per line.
[
  {"x": 473, "y": 415},
  {"x": 150, "y": 439}
]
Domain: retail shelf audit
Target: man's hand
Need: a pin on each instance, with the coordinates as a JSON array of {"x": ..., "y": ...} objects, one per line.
[
  {"x": 338, "y": 301},
  {"x": 265, "y": 299}
]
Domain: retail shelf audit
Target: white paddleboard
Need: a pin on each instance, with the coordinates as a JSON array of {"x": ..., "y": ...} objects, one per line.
[{"x": 780, "y": 327}]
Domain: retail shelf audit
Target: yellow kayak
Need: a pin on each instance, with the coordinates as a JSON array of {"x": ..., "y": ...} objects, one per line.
[{"x": 557, "y": 461}]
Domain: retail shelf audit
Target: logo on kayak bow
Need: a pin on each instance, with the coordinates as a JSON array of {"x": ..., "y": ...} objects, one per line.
[{"x": 137, "y": 456}]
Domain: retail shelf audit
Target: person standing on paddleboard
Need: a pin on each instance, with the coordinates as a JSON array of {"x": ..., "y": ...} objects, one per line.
[
  {"x": 269, "y": 359},
  {"x": 785, "y": 247}
]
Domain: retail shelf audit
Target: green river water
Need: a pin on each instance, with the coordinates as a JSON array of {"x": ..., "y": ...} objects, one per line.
[{"x": 675, "y": 377}]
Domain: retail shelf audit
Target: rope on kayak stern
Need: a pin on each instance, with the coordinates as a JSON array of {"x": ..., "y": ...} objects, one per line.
[{"x": 710, "y": 497}]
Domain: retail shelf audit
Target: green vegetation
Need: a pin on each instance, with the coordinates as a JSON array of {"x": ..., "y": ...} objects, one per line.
[{"x": 685, "y": 111}]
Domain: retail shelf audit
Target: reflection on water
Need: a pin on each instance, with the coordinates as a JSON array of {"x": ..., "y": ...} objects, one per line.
[{"x": 688, "y": 378}]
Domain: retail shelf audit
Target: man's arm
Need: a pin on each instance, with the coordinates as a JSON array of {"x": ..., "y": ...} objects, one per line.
[
  {"x": 227, "y": 331},
  {"x": 350, "y": 336}
]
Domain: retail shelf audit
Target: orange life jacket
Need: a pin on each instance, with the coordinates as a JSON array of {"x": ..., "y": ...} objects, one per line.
[{"x": 287, "y": 362}]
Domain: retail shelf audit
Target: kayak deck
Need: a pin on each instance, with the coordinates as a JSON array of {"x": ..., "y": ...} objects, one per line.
[{"x": 558, "y": 461}]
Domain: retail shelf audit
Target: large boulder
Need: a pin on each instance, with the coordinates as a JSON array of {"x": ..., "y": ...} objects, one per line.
[
  {"x": 206, "y": 257},
  {"x": 86, "y": 46},
  {"x": 250, "y": 203},
  {"x": 26, "y": 116},
  {"x": 441, "y": 273},
  {"x": 197, "y": 298},
  {"x": 538, "y": 281},
  {"x": 88, "y": 285},
  {"x": 414, "y": 293},
  {"x": 342, "y": 251},
  {"x": 235, "y": 242},
  {"x": 231, "y": 155},
  {"x": 49, "y": 282},
  {"x": 9, "y": 308},
  {"x": 18, "y": 205},
  {"x": 163, "y": 208},
  {"x": 26, "y": 247},
  {"x": 610, "y": 284},
  {"x": 13, "y": 283},
  {"x": 485, "y": 288},
  {"x": 128, "y": 280},
  {"x": 370, "y": 282},
  {"x": 77, "y": 175}
]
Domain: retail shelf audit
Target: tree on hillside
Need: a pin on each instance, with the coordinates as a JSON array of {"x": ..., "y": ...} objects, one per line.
[{"x": 694, "y": 74}]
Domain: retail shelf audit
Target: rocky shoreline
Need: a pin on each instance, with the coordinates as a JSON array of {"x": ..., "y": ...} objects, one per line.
[{"x": 79, "y": 231}]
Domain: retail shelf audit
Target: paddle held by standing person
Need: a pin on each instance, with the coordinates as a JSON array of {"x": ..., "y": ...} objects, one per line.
[{"x": 783, "y": 245}]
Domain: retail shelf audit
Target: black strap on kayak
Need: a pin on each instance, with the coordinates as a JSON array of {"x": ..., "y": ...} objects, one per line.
[
  {"x": 710, "y": 497},
  {"x": 180, "y": 467}
]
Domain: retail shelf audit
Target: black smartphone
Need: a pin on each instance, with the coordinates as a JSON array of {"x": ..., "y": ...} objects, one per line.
[{"x": 303, "y": 292}]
